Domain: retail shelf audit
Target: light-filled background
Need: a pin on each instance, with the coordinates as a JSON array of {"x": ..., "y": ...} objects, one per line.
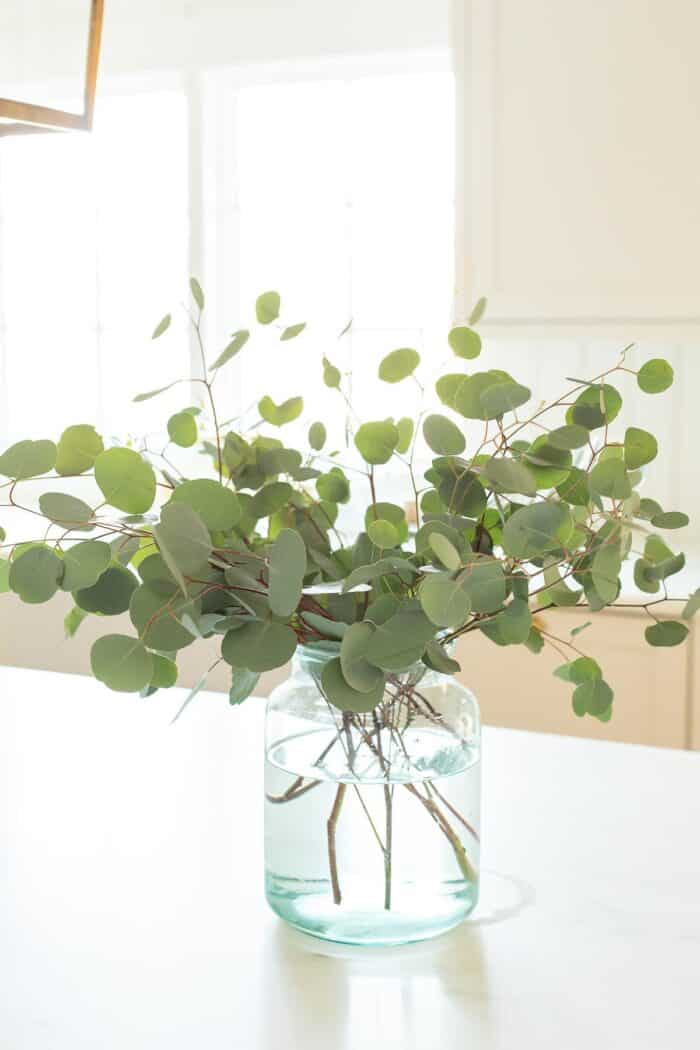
[{"x": 385, "y": 162}]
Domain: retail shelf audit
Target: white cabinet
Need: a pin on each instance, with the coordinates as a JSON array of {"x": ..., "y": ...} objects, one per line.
[{"x": 579, "y": 161}]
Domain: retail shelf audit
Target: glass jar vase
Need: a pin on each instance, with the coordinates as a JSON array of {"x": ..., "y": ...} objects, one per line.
[{"x": 372, "y": 820}]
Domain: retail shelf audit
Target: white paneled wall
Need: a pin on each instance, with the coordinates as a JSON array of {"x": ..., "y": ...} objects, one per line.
[{"x": 578, "y": 213}]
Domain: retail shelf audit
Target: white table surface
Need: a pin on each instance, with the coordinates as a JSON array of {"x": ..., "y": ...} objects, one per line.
[{"x": 132, "y": 914}]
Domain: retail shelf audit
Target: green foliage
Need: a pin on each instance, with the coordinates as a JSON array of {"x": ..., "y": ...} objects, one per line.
[
  {"x": 122, "y": 663},
  {"x": 237, "y": 342},
  {"x": 218, "y": 507},
  {"x": 35, "y": 575},
  {"x": 78, "y": 448},
  {"x": 267, "y": 307},
  {"x": 162, "y": 326},
  {"x": 376, "y": 442},
  {"x": 182, "y": 429},
  {"x": 655, "y": 376},
  {"x": 126, "y": 481},
  {"x": 244, "y": 539},
  {"x": 278, "y": 415},
  {"x": 398, "y": 365},
  {"x": 465, "y": 342},
  {"x": 442, "y": 436},
  {"x": 317, "y": 436},
  {"x": 28, "y": 459}
]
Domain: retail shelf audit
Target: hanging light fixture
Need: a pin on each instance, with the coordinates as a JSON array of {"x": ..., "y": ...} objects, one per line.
[{"x": 17, "y": 118}]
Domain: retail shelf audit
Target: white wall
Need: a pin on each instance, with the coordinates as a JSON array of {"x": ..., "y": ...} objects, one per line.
[
  {"x": 578, "y": 212},
  {"x": 148, "y": 35}
]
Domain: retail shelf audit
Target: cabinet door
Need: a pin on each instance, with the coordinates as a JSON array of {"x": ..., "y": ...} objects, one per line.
[
  {"x": 579, "y": 160},
  {"x": 652, "y": 686}
]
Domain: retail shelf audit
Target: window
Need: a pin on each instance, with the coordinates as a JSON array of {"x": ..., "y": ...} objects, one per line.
[{"x": 333, "y": 186}]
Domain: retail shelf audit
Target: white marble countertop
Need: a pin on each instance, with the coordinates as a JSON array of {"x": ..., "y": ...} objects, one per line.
[{"x": 133, "y": 918}]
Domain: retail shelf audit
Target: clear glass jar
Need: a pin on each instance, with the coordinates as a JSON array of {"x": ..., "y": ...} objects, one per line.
[{"x": 372, "y": 820}]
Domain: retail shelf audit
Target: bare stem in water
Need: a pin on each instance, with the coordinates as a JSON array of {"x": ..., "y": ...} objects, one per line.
[{"x": 331, "y": 827}]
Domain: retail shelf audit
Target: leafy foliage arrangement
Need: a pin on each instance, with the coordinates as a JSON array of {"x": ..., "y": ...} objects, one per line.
[{"x": 542, "y": 513}]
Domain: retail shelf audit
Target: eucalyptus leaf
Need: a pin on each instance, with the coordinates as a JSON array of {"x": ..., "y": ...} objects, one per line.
[
  {"x": 464, "y": 342},
  {"x": 279, "y": 415},
  {"x": 78, "y": 448},
  {"x": 655, "y": 376},
  {"x": 267, "y": 307},
  {"x": 28, "y": 459},
  {"x": 259, "y": 646},
  {"x": 340, "y": 693},
  {"x": 184, "y": 542},
  {"x": 122, "y": 663},
  {"x": 666, "y": 633},
  {"x": 359, "y": 674},
  {"x": 126, "y": 481},
  {"x": 286, "y": 572},
  {"x": 217, "y": 506},
  {"x": 35, "y": 575},
  {"x": 442, "y": 436},
  {"x": 64, "y": 510},
  {"x": 398, "y": 365}
]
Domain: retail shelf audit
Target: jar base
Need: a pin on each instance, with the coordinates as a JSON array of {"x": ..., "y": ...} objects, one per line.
[{"x": 417, "y": 915}]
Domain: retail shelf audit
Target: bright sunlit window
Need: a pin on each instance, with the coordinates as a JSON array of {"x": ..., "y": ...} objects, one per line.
[{"x": 339, "y": 195}]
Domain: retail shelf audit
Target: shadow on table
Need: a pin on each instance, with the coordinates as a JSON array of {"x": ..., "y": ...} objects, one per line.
[{"x": 322, "y": 991}]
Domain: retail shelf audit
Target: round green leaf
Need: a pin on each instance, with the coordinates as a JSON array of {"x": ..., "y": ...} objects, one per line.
[
  {"x": 182, "y": 429},
  {"x": 398, "y": 365},
  {"x": 155, "y": 617},
  {"x": 331, "y": 375},
  {"x": 509, "y": 475},
  {"x": 400, "y": 641},
  {"x": 286, "y": 572},
  {"x": 342, "y": 696},
  {"x": 666, "y": 633},
  {"x": 499, "y": 398},
  {"x": 483, "y": 579},
  {"x": 360, "y": 675},
  {"x": 405, "y": 429},
  {"x": 84, "y": 563},
  {"x": 463, "y": 493},
  {"x": 110, "y": 595},
  {"x": 465, "y": 342},
  {"x": 270, "y": 498},
  {"x": 376, "y": 441},
  {"x": 126, "y": 481},
  {"x": 672, "y": 519},
  {"x": 388, "y": 512},
  {"x": 63, "y": 509},
  {"x": 655, "y": 376},
  {"x": 217, "y": 506},
  {"x": 609, "y": 478},
  {"x": 259, "y": 646},
  {"x": 595, "y": 406},
  {"x": 28, "y": 459},
  {"x": 78, "y": 448},
  {"x": 122, "y": 663},
  {"x": 333, "y": 486},
  {"x": 445, "y": 551},
  {"x": 164, "y": 672},
  {"x": 640, "y": 448},
  {"x": 605, "y": 572},
  {"x": 568, "y": 437},
  {"x": 382, "y": 533},
  {"x": 317, "y": 436},
  {"x": 184, "y": 542},
  {"x": 34, "y": 575},
  {"x": 444, "y": 600},
  {"x": 443, "y": 436},
  {"x": 278, "y": 415},
  {"x": 592, "y": 697},
  {"x": 535, "y": 529},
  {"x": 267, "y": 307}
]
